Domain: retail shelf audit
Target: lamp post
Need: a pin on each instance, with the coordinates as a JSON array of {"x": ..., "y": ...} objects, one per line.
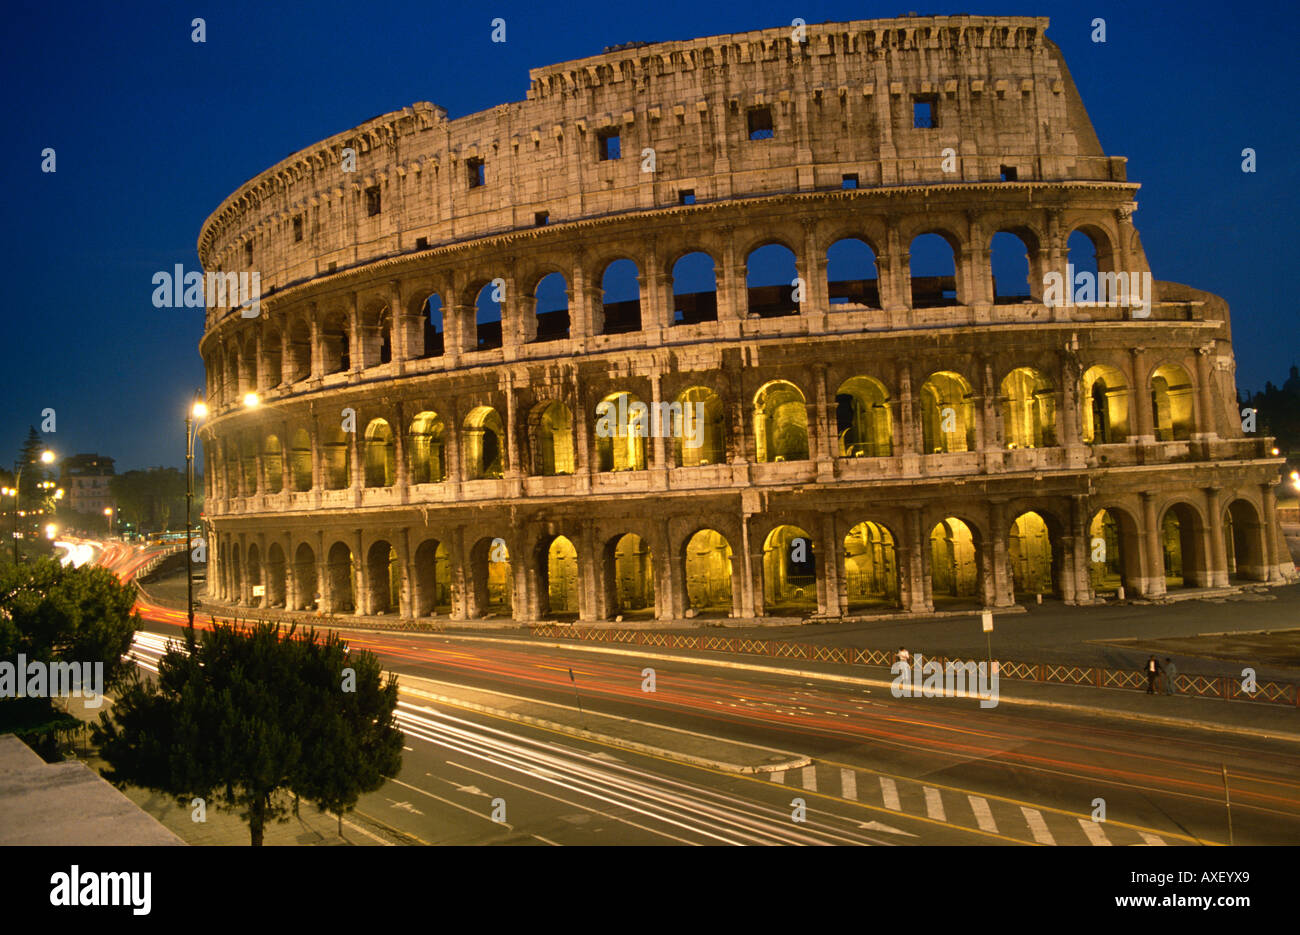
[
  {"x": 108, "y": 521},
  {"x": 45, "y": 457},
  {"x": 197, "y": 411}
]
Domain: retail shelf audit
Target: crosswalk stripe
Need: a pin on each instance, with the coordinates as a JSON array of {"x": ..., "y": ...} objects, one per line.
[
  {"x": 983, "y": 814},
  {"x": 1152, "y": 839},
  {"x": 1036, "y": 824},
  {"x": 889, "y": 790},
  {"x": 778, "y": 775},
  {"x": 810, "y": 778},
  {"x": 1092, "y": 829},
  {"x": 934, "y": 804},
  {"x": 849, "y": 784}
]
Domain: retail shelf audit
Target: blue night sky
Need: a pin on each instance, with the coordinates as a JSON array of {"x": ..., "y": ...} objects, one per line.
[{"x": 152, "y": 131}]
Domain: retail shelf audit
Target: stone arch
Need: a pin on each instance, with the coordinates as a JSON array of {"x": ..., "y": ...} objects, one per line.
[
  {"x": 620, "y": 297},
  {"x": 432, "y": 326},
  {"x": 932, "y": 269},
  {"x": 551, "y": 425},
  {"x": 1114, "y": 551},
  {"x": 695, "y": 288},
  {"x": 235, "y": 585},
  {"x": 947, "y": 413},
  {"x": 1105, "y": 404},
  {"x": 707, "y": 570},
  {"x": 1244, "y": 540},
  {"x": 273, "y": 463},
  {"x": 340, "y": 575},
  {"x": 272, "y": 355},
  {"x": 484, "y": 444},
  {"x": 336, "y": 454},
  {"x": 852, "y": 277},
  {"x": 1089, "y": 248},
  {"x": 1171, "y": 403},
  {"x": 383, "y": 579},
  {"x": 870, "y": 566},
  {"x": 863, "y": 422},
  {"x": 380, "y": 454},
  {"x": 297, "y": 348},
  {"x": 305, "y": 594},
  {"x": 432, "y": 585},
  {"x": 789, "y": 572},
  {"x": 253, "y": 569},
  {"x": 376, "y": 334},
  {"x": 248, "y": 451},
  {"x": 557, "y": 575},
  {"x": 770, "y": 272},
  {"x": 248, "y": 363},
  {"x": 629, "y": 575},
  {"x": 1036, "y": 553},
  {"x": 493, "y": 582},
  {"x": 780, "y": 422},
  {"x": 622, "y": 424},
  {"x": 275, "y": 576},
  {"x": 425, "y": 448},
  {"x": 1014, "y": 259},
  {"x": 549, "y": 300},
  {"x": 300, "y": 461},
  {"x": 489, "y": 305},
  {"x": 1182, "y": 541},
  {"x": 335, "y": 342},
  {"x": 1028, "y": 409},
  {"x": 702, "y": 438},
  {"x": 956, "y": 560}
]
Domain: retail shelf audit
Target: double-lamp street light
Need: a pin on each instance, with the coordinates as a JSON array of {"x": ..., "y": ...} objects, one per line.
[
  {"x": 198, "y": 411},
  {"x": 45, "y": 457}
]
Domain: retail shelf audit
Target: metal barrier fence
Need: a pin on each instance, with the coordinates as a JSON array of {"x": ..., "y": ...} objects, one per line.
[{"x": 1199, "y": 686}]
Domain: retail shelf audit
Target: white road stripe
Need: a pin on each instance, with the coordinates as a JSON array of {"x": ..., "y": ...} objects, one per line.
[
  {"x": 983, "y": 814},
  {"x": 1096, "y": 836},
  {"x": 1152, "y": 839},
  {"x": 889, "y": 790},
  {"x": 810, "y": 778},
  {"x": 934, "y": 804},
  {"x": 1039, "y": 827},
  {"x": 778, "y": 775},
  {"x": 849, "y": 784}
]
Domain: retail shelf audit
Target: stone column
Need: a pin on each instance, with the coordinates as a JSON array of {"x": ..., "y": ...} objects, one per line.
[
  {"x": 670, "y": 584},
  {"x": 1205, "y": 427},
  {"x": 812, "y": 267},
  {"x": 1081, "y": 553},
  {"x": 732, "y": 303},
  {"x": 1142, "y": 398},
  {"x": 1217, "y": 555},
  {"x": 999, "y": 572},
  {"x": 1153, "y": 567},
  {"x": 832, "y": 592},
  {"x": 749, "y": 587},
  {"x": 590, "y": 577},
  {"x": 461, "y": 571},
  {"x": 1270, "y": 523}
]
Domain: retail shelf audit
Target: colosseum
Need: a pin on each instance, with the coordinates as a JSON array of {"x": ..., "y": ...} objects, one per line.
[{"x": 721, "y": 329}]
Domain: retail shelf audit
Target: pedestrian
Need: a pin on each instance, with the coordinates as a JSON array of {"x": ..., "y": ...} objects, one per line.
[
  {"x": 1153, "y": 669},
  {"x": 904, "y": 656},
  {"x": 1171, "y": 673}
]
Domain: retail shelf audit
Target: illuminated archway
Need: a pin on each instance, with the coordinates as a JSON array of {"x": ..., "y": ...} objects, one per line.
[
  {"x": 1171, "y": 403},
  {"x": 340, "y": 574},
  {"x": 947, "y": 414},
  {"x": 780, "y": 423},
  {"x": 1114, "y": 551},
  {"x": 383, "y": 579},
  {"x": 629, "y": 575},
  {"x": 1105, "y": 406},
  {"x": 483, "y": 447},
  {"x": 425, "y": 449},
  {"x": 706, "y": 559},
  {"x": 1243, "y": 539},
  {"x": 863, "y": 420},
  {"x": 954, "y": 560},
  {"x": 554, "y": 434},
  {"x": 561, "y": 571},
  {"x": 789, "y": 572},
  {"x": 305, "y": 595},
  {"x": 870, "y": 566},
  {"x": 432, "y": 593},
  {"x": 493, "y": 579},
  {"x": 381, "y": 454},
  {"x": 701, "y": 439},
  {"x": 300, "y": 461},
  {"x": 622, "y": 424},
  {"x": 1033, "y": 553},
  {"x": 1028, "y": 409}
]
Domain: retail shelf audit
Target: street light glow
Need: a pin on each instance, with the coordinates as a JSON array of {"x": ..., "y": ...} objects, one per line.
[
  {"x": 251, "y": 400},
  {"x": 200, "y": 410},
  {"x": 51, "y": 530},
  {"x": 47, "y": 456},
  {"x": 108, "y": 511}
]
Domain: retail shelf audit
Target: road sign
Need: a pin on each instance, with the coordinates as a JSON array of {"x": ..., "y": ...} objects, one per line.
[{"x": 986, "y": 619}]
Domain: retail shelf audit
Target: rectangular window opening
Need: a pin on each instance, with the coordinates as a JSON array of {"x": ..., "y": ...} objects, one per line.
[
  {"x": 477, "y": 173},
  {"x": 1008, "y": 173},
  {"x": 609, "y": 145},
  {"x": 686, "y": 196},
  {"x": 422, "y": 243},
  {"x": 372, "y": 200},
  {"x": 849, "y": 181},
  {"x": 541, "y": 218},
  {"x": 925, "y": 112},
  {"x": 760, "y": 123},
  {"x": 297, "y": 229}
]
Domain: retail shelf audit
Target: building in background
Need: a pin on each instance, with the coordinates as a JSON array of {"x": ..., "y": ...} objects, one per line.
[{"x": 88, "y": 478}]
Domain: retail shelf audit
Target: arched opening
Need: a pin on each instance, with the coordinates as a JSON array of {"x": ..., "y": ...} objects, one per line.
[
  {"x": 1171, "y": 403},
  {"x": 706, "y": 559},
  {"x": 383, "y": 579},
  {"x": 336, "y": 354},
  {"x": 1087, "y": 251},
  {"x": 1035, "y": 553},
  {"x": 621, "y": 297},
  {"x": 235, "y": 574},
  {"x": 493, "y": 580},
  {"x": 851, "y": 276},
  {"x": 487, "y": 315},
  {"x": 1181, "y": 548},
  {"x": 770, "y": 274},
  {"x": 780, "y": 423},
  {"x": 954, "y": 561},
  {"x": 275, "y": 576},
  {"x": 248, "y": 365},
  {"x": 305, "y": 595},
  {"x": 629, "y": 576},
  {"x": 381, "y": 454},
  {"x": 273, "y": 463},
  {"x": 484, "y": 454},
  {"x": 1114, "y": 551},
  {"x": 300, "y": 460},
  {"x": 560, "y": 570},
  {"x": 230, "y": 391},
  {"x": 1009, "y": 263},
  {"x": 1028, "y": 409},
  {"x": 695, "y": 289},
  {"x": 338, "y": 466},
  {"x": 555, "y": 453},
  {"x": 248, "y": 458},
  {"x": 947, "y": 414},
  {"x": 273, "y": 356},
  {"x": 870, "y": 567},
  {"x": 702, "y": 438},
  {"x": 256, "y": 586},
  {"x": 432, "y": 579},
  {"x": 298, "y": 348},
  {"x": 1243, "y": 538},
  {"x": 376, "y": 335},
  {"x": 339, "y": 575},
  {"x": 432, "y": 325},
  {"x": 789, "y": 573},
  {"x": 622, "y": 424},
  {"x": 862, "y": 419},
  {"x": 932, "y": 265},
  {"x": 1105, "y": 406},
  {"x": 425, "y": 446},
  {"x": 551, "y": 302}
]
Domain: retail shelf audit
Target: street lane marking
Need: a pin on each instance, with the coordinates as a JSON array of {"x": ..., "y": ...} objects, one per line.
[
  {"x": 983, "y": 814},
  {"x": 810, "y": 778},
  {"x": 849, "y": 784},
  {"x": 1036, "y": 825},
  {"x": 934, "y": 804},
  {"x": 1152, "y": 839},
  {"x": 1092, "y": 829},
  {"x": 889, "y": 789}
]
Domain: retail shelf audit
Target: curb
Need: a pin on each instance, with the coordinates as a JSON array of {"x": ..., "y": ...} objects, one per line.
[{"x": 793, "y": 761}]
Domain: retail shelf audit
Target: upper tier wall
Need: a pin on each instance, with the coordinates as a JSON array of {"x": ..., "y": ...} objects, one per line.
[{"x": 842, "y": 102}]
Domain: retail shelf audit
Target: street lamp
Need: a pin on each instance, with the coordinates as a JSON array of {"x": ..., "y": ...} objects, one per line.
[
  {"x": 45, "y": 457},
  {"x": 108, "y": 514},
  {"x": 198, "y": 410}
]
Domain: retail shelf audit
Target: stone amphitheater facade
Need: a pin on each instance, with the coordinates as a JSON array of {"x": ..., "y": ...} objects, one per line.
[{"x": 427, "y": 436}]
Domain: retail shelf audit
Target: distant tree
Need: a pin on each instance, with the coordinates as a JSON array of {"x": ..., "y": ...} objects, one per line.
[
  {"x": 244, "y": 717},
  {"x": 1279, "y": 412},
  {"x": 150, "y": 500},
  {"x": 29, "y": 457},
  {"x": 50, "y": 613}
]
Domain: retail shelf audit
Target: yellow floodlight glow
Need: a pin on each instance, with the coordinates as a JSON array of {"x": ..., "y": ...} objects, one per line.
[
  {"x": 47, "y": 456},
  {"x": 251, "y": 400},
  {"x": 200, "y": 410}
]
